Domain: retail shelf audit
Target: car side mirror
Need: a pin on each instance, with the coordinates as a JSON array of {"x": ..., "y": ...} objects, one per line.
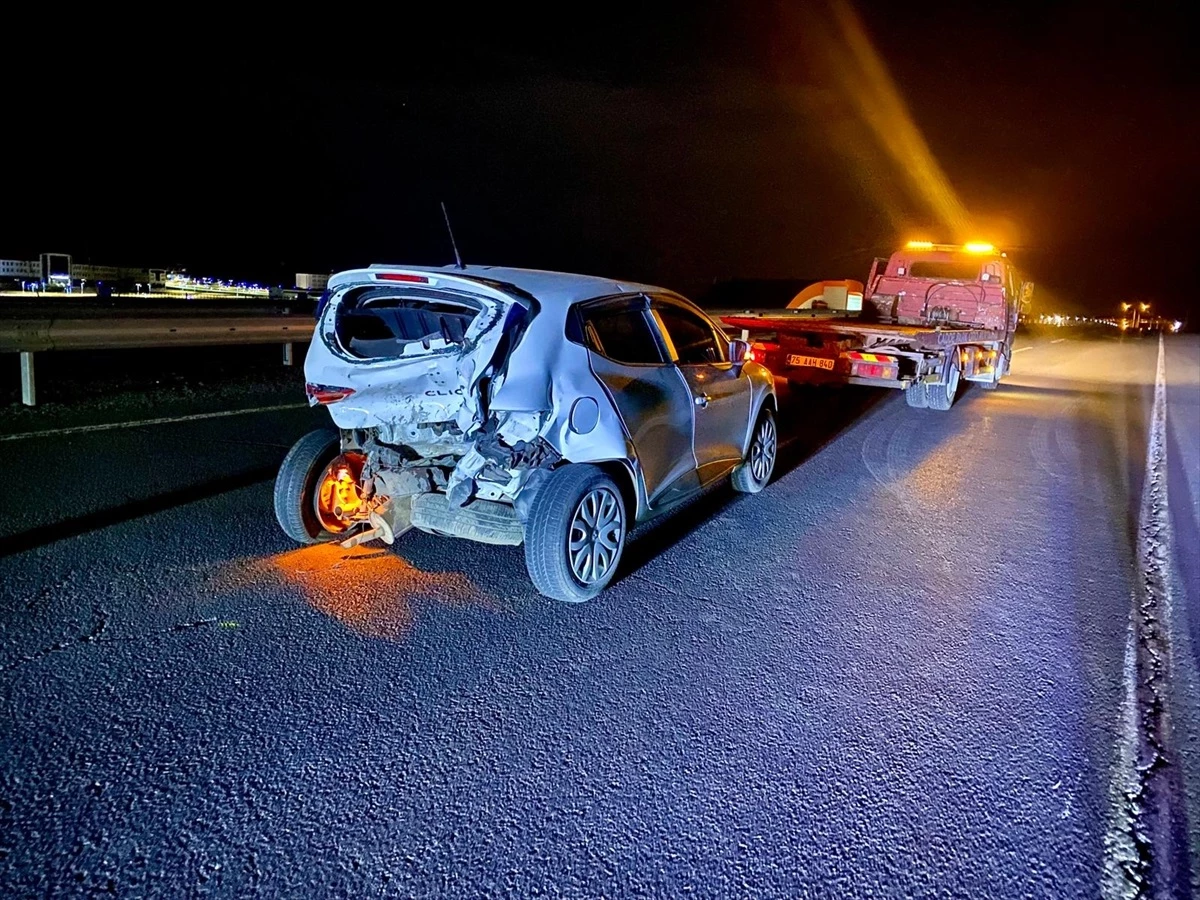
[{"x": 738, "y": 351}]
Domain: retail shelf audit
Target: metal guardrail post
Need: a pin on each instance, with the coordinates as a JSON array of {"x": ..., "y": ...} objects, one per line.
[
  {"x": 28, "y": 388},
  {"x": 287, "y": 354}
]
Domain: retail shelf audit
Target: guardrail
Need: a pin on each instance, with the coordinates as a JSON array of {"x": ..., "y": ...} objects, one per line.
[{"x": 29, "y": 336}]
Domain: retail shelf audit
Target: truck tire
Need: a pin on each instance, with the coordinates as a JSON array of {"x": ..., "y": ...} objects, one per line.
[
  {"x": 296, "y": 482},
  {"x": 941, "y": 395},
  {"x": 1001, "y": 371},
  {"x": 575, "y": 534},
  {"x": 752, "y": 475},
  {"x": 916, "y": 395}
]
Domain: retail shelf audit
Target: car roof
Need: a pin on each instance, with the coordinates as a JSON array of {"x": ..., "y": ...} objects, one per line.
[{"x": 549, "y": 288}]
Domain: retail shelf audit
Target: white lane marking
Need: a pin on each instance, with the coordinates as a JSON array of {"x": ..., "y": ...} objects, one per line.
[
  {"x": 1121, "y": 863},
  {"x": 112, "y": 426},
  {"x": 1022, "y": 349},
  {"x": 1058, "y": 340},
  {"x": 1146, "y": 688}
]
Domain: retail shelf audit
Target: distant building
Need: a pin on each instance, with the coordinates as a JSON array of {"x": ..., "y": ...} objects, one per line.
[
  {"x": 61, "y": 271},
  {"x": 56, "y": 269},
  {"x": 20, "y": 270},
  {"x": 307, "y": 281},
  {"x": 92, "y": 274}
]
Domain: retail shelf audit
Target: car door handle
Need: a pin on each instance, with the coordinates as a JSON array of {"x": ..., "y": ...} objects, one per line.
[{"x": 702, "y": 400}]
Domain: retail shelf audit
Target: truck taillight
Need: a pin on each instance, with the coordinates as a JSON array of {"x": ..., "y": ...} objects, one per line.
[
  {"x": 759, "y": 350},
  {"x": 873, "y": 370},
  {"x": 323, "y": 393},
  {"x": 873, "y": 365}
]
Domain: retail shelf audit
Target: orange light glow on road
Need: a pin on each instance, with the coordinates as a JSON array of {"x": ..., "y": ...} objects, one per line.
[{"x": 371, "y": 591}]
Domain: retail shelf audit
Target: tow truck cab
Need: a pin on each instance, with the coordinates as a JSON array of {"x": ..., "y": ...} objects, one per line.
[{"x": 971, "y": 284}]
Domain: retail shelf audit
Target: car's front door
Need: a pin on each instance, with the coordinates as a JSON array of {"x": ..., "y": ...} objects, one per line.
[
  {"x": 721, "y": 391},
  {"x": 655, "y": 404}
]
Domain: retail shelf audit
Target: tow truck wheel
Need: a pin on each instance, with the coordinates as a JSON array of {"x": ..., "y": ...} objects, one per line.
[
  {"x": 941, "y": 395},
  {"x": 575, "y": 533},
  {"x": 916, "y": 395},
  {"x": 1001, "y": 369},
  {"x": 296, "y": 486},
  {"x": 753, "y": 474}
]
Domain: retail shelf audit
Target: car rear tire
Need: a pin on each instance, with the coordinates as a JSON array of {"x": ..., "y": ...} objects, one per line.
[
  {"x": 296, "y": 483},
  {"x": 916, "y": 395},
  {"x": 752, "y": 475},
  {"x": 575, "y": 533}
]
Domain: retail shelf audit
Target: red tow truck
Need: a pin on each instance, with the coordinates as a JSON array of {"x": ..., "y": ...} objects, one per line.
[{"x": 931, "y": 316}]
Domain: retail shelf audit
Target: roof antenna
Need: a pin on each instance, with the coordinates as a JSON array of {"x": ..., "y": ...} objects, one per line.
[{"x": 457, "y": 258}]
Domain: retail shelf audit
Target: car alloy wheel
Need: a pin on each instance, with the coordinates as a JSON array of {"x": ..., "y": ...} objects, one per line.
[
  {"x": 595, "y": 536},
  {"x": 752, "y": 474},
  {"x": 762, "y": 451}
]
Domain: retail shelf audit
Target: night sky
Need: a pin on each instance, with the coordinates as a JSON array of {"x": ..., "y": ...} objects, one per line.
[{"x": 676, "y": 145}]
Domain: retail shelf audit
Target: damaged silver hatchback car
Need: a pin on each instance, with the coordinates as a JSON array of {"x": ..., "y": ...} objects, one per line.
[{"x": 513, "y": 406}]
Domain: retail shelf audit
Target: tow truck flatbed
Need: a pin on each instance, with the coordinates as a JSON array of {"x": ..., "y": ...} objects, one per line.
[
  {"x": 930, "y": 316},
  {"x": 933, "y": 335}
]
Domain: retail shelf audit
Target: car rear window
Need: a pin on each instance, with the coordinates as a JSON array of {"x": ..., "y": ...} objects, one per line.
[
  {"x": 954, "y": 270},
  {"x": 622, "y": 335},
  {"x": 374, "y": 322}
]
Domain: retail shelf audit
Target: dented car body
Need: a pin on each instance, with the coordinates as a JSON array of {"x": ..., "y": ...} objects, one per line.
[{"x": 458, "y": 395}]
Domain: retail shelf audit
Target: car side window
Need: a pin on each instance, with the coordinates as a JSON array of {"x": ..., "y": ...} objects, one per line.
[
  {"x": 622, "y": 334},
  {"x": 696, "y": 341}
]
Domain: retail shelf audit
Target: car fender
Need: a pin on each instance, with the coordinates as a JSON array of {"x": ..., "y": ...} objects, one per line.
[
  {"x": 762, "y": 393},
  {"x": 558, "y": 381}
]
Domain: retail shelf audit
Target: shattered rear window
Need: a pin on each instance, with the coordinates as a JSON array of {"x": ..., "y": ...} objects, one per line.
[{"x": 375, "y": 322}]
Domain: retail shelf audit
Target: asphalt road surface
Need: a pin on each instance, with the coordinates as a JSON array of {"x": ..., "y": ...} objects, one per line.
[{"x": 944, "y": 654}]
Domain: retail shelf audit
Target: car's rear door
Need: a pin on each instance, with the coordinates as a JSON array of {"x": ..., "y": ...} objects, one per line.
[{"x": 654, "y": 402}]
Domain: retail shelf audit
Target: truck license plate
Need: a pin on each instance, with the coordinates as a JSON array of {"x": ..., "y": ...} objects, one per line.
[{"x": 817, "y": 362}]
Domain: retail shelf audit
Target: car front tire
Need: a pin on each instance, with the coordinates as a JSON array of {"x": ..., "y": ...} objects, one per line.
[
  {"x": 575, "y": 534},
  {"x": 753, "y": 474}
]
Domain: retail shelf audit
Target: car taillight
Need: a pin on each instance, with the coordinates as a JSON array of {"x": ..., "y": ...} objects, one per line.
[
  {"x": 323, "y": 393},
  {"x": 401, "y": 276}
]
